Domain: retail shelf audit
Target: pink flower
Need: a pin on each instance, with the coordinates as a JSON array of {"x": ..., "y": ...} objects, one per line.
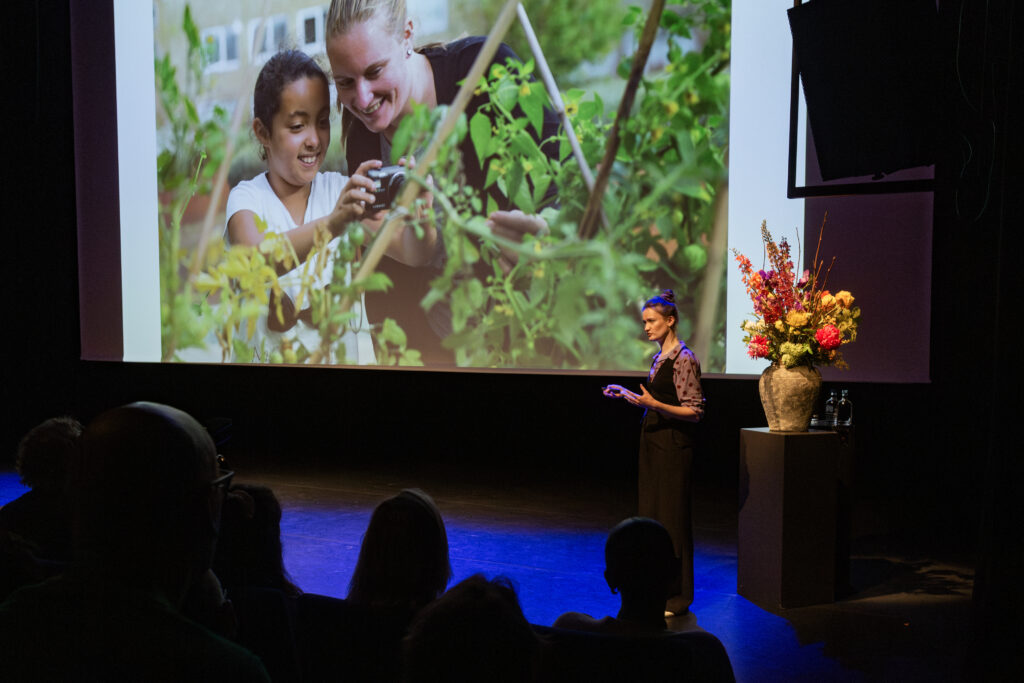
[
  {"x": 758, "y": 346},
  {"x": 829, "y": 337}
]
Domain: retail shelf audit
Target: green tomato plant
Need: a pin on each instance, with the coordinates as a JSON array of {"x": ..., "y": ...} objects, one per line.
[{"x": 554, "y": 300}]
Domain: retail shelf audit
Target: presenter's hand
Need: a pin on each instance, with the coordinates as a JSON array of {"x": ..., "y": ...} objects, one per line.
[
  {"x": 645, "y": 399},
  {"x": 613, "y": 391}
]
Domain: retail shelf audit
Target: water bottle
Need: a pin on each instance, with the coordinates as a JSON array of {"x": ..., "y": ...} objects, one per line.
[
  {"x": 830, "y": 409},
  {"x": 844, "y": 410}
]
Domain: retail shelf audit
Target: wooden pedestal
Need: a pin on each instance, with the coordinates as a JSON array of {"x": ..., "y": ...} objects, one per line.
[{"x": 787, "y": 517}]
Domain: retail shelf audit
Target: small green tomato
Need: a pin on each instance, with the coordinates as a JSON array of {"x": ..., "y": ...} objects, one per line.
[{"x": 357, "y": 235}]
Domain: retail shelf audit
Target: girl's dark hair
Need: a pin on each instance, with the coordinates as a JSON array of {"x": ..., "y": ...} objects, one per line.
[
  {"x": 665, "y": 304},
  {"x": 283, "y": 68},
  {"x": 403, "y": 561}
]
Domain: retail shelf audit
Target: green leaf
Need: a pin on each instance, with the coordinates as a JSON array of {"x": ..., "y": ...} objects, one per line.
[
  {"x": 376, "y": 282},
  {"x": 480, "y": 134},
  {"x": 410, "y": 358},
  {"x": 475, "y": 293},
  {"x": 401, "y": 142},
  {"x": 190, "y": 110},
  {"x": 190, "y": 29},
  {"x": 392, "y": 333},
  {"x": 507, "y": 95},
  {"x": 514, "y": 178},
  {"x": 533, "y": 107}
]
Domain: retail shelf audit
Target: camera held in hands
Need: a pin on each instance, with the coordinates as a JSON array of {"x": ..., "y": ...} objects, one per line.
[{"x": 387, "y": 181}]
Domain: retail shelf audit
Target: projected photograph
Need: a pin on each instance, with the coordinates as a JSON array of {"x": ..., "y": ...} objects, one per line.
[{"x": 304, "y": 217}]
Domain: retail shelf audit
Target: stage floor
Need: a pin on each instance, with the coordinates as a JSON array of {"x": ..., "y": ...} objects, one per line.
[{"x": 907, "y": 617}]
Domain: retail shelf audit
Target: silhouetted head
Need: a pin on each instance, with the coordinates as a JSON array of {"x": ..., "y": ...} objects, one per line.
[
  {"x": 474, "y": 632},
  {"x": 403, "y": 561},
  {"x": 249, "y": 549},
  {"x": 45, "y": 453},
  {"x": 147, "y": 489},
  {"x": 639, "y": 559}
]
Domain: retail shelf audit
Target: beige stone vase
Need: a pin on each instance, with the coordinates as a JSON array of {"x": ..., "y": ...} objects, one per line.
[{"x": 789, "y": 396}]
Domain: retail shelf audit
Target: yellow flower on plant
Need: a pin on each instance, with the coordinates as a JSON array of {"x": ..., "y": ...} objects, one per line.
[
  {"x": 524, "y": 89},
  {"x": 827, "y": 300},
  {"x": 797, "y": 318},
  {"x": 657, "y": 133},
  {"x": 844, "y": 299},
  {"x": 671, "y": 107},
  {"x": 780, "y": 326},
  {"x": 572, "y": 109}
]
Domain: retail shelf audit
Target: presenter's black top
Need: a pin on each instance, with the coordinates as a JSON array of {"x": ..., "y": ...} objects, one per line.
[{"x": 674, "y": 379}]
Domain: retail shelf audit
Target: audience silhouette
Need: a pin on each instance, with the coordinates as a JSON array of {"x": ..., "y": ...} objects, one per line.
[
  {"x": 474, "y": 632},
  {"x": 403, "y": 562},
  {"x": 640, "y": 565},
  {"x": 403, "y": 565},
  {"x": 176, "y": 575},
  {"x": 40, "y": 517},
  {"x": 248, "y": 551},
  {"x": 146, "y": 502}
]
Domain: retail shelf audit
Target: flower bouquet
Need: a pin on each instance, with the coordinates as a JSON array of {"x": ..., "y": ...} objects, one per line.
[{"x": 798, "y": 324}]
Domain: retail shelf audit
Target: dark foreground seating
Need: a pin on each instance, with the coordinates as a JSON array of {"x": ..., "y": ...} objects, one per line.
[
  {"x": 584, "y": 656},
  {"x": 336, "y": 640}
]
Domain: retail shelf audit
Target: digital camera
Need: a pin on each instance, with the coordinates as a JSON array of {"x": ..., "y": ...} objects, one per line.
[{"x": 387, "y": 181}]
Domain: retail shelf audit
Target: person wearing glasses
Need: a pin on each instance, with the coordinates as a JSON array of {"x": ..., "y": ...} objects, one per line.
[{"x": 148, "y": 496}]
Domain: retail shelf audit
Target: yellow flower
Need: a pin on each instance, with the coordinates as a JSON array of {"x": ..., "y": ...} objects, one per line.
[
  {"x": 844, "y": 299},
  {"x": 827, "y": 300},
  {"x": 691, "y": 98},
  {"x": 671, "y": 107},
  {"x": 524, "y": 89},
  {"x": 572, "y": 109},
  {"x": 797, "y": 318},
  {"x": 657, "y": 133},
  {"x": 780, "y": 326}
]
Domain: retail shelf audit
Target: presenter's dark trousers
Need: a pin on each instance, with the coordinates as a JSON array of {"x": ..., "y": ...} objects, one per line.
[{"x": 665, "y": 488}]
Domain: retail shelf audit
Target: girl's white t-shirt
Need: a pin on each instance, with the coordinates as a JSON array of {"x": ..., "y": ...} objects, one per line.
[{"x": 258, "y": 196}]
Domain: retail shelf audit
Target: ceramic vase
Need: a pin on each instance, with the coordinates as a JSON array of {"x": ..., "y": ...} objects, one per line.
[{"x": 788, "y": 396}]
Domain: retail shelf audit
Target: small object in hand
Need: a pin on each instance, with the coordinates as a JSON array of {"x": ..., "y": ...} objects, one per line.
[{"x": 387, "y": 182}]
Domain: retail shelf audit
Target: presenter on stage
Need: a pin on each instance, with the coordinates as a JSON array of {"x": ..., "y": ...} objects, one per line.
[{"x": 673, "y": 403}]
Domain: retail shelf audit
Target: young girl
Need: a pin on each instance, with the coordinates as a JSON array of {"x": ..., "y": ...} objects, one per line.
[{"x": 291, "y": 120}]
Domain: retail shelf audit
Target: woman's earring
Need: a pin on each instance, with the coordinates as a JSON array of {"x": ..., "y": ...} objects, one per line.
[{"x": 408, "y": 53}]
